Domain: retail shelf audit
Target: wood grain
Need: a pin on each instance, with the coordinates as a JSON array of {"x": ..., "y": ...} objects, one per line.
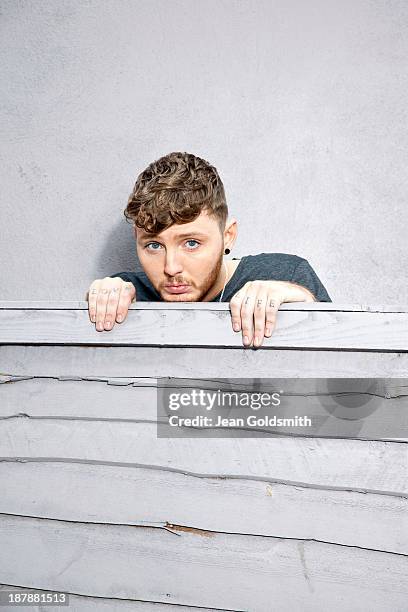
[
  {"x": 326, "y": 462},
  {"x": 81, "y": 603},
  {"x": 220, "y": 306},
  {"x": 176, "y": 327},
  {"x": 139, "y": 496},
  {"x": 135, "y": 400},
  {"x": 123, "y": 361},
  {"x": 95, "y": 504},
  {"x": 187, "y": 566}
]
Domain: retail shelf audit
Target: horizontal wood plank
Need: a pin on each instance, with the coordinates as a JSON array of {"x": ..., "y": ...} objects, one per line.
[
  {"x": 136, "y": 400},
  {"x": 321, "y": 462},
  {"x": 81, "y": 603},
  {"x": 192, "y": 567},
  {"x": 220, "y": 306},
  {"x": 122, "y": 361},
  {"x": 175, "y": 327},
  {"x": 118, "y": 495}
]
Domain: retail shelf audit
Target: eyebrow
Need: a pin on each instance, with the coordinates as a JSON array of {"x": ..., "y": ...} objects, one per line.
[{"x": 183, "y": 235}]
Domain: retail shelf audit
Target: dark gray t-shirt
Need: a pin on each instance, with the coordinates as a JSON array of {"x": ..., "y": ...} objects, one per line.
[{"x": 265, "y": 266}]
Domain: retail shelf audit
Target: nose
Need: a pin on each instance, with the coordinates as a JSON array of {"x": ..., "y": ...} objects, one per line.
[{"x": 172, "y": 264}]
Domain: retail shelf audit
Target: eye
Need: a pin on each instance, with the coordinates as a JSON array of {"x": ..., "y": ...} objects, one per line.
[
  {"x": 154, "y": 243},
  {"x": 193, "y": 247}
]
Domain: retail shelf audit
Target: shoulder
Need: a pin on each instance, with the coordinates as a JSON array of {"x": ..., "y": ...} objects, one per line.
[
  {"x": 281, "y": 261},
  {"x": 282, "y": 267},
  {"x": 267, "y": 266}
]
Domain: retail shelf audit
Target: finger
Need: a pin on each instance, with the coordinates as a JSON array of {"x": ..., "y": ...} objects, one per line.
[
  {"x": 92, "y": 296},
  {"x": 272, "y": 307},
  {"x": 127, "y": 294},
  {"x": 102, "y": 302},
  {"x": 247, "y": 317},
  {"x": 259, "y": 317},
  {"x": 235, "y": 308},
  {"x": 112, "y": 306}
]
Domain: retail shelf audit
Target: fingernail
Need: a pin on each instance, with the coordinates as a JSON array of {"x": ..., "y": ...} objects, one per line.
[
  {"x": 119, "y": 318},
  {"x": 99, "y": 326},
  {"x": 108, "y": 324},
  {"x": 236, "y": 326},
  {"x": 256, "y": 341},
  {"x": 246, "y": 340}
]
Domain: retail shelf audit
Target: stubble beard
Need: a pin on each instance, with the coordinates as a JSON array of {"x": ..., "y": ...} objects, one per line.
[{"x": 203, "y": 289}]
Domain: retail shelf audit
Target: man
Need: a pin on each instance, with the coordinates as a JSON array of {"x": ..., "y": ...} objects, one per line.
[{"x": 180, "y": 217}]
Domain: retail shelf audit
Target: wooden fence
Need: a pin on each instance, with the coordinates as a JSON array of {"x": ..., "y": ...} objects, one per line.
[{"x": 93, "y": 503}]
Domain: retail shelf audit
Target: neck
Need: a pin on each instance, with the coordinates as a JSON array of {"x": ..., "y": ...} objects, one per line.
[{"x": 219, "y": 284}]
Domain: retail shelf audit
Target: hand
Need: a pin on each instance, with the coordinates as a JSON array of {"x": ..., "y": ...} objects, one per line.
[
  {"x": 256, "y": 304},
  {"x": 108, "y": 301}
]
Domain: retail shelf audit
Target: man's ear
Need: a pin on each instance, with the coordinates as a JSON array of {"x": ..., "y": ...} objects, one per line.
[{"x": 230, "y": 233}]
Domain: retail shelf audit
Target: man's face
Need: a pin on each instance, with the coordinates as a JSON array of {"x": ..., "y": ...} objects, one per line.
[{"x": 184, "y": 261}]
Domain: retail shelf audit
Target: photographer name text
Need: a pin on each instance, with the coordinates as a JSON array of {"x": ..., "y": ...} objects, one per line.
[{"x": 251, "y": 420}]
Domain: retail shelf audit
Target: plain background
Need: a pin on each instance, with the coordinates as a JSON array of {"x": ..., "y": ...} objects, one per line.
[{"x": 300, "y": 104}]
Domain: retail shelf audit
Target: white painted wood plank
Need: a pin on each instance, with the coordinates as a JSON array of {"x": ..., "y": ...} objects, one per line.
[
  {"x": 199, "y": 568},
  {"x": 118, "y": 495},
  {"x": 119, "y": 399},
  {"x": 122, "y": 361},
  {"x": 78, "y": 603},
  {"x": 310, "y": 306},
  {"x": 80, "y": 398},
  {"x": 297, "y": 329},
  {"x": 327, "y": 462}
]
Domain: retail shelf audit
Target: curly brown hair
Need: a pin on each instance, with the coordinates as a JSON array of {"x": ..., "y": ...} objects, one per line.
[{"x": 175, "y": 189}]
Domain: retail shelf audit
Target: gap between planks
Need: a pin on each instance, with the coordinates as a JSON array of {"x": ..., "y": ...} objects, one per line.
[
  {"x": 173, "y": 528},
  {"x": 165, "y": 468}
]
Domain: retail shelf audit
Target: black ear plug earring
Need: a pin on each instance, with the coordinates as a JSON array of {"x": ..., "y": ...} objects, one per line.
[{"x": 227, "y": 251}]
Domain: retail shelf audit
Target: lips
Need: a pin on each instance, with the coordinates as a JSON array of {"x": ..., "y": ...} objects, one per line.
[{"x": 177, "y": 288}]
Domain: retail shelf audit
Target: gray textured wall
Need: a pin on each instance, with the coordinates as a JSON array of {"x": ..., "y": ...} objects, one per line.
[{"x": 301, "y": 105}]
